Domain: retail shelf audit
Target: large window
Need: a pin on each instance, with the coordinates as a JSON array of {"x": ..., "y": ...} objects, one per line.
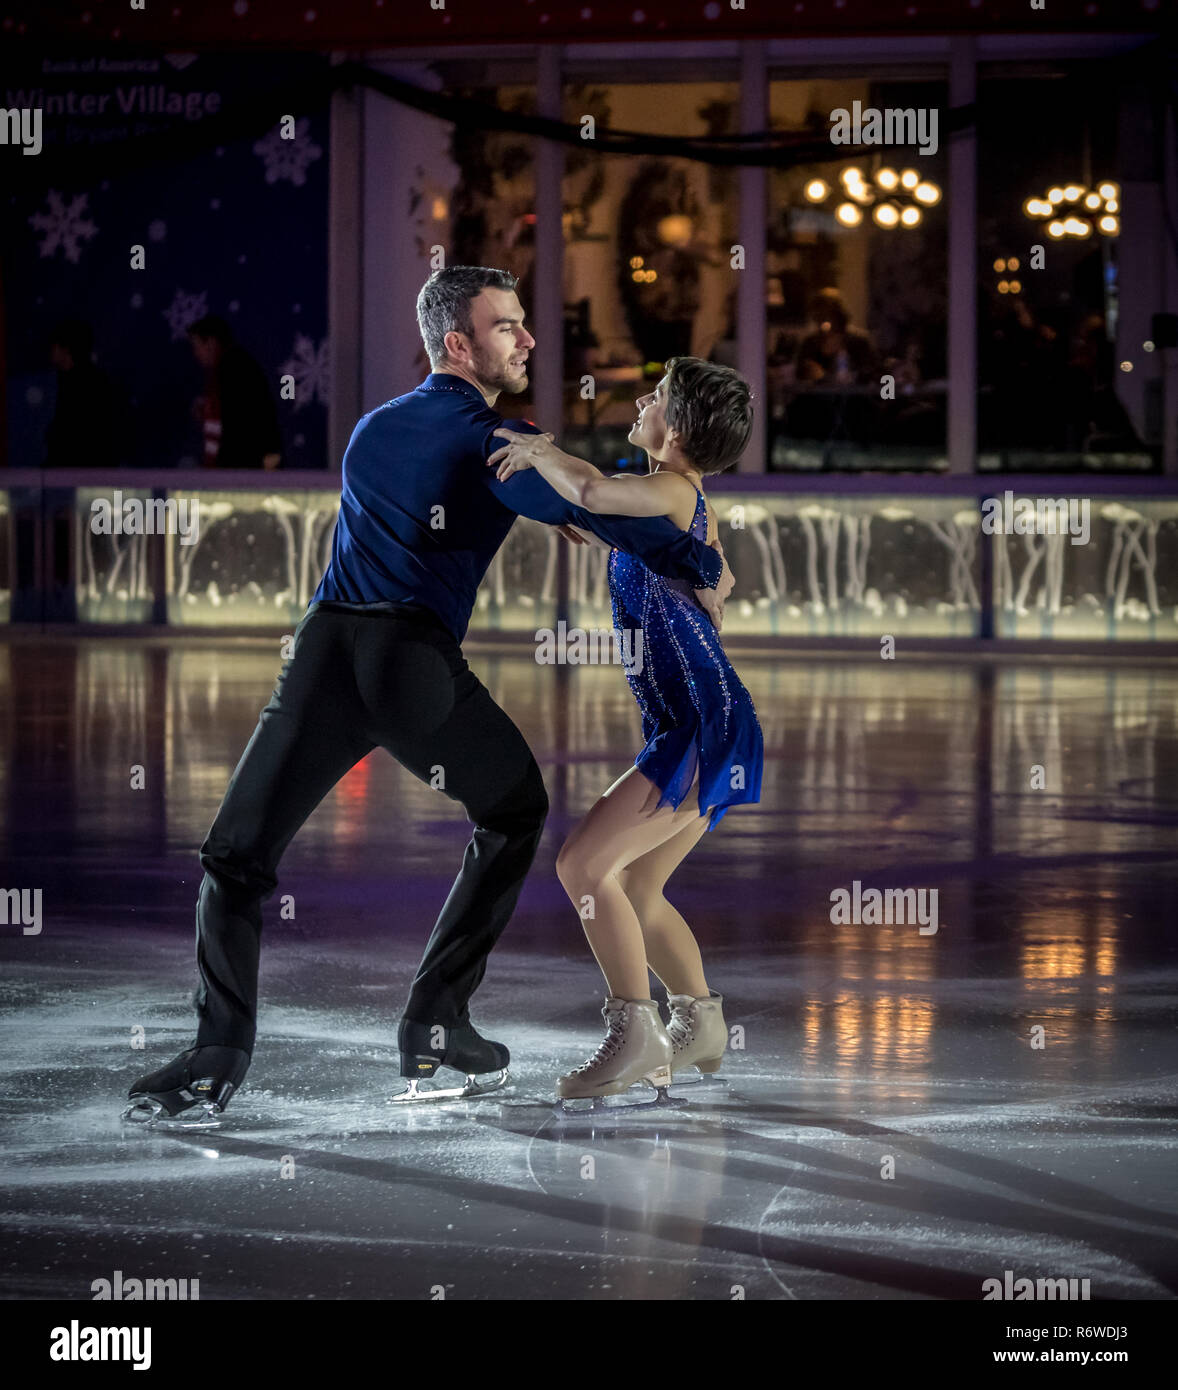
[
  {"x": 1062, "y": 382},
  {"x": 647, "y": 272},
  {"x": 856, "y": 292}
]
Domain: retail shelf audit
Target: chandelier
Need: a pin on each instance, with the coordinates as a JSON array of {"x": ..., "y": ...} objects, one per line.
[
  {"x": 1072, "y": 210},
  {"x": 894, "y": 199}
]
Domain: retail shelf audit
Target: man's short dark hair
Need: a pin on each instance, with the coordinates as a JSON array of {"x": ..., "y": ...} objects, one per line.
[
  {"x": 211, "y": 326},
  {"x": 710, "y": 408},
  {"x": 443, "y": 306}
]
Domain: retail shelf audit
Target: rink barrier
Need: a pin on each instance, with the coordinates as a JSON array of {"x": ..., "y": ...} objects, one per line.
[{"x": 821, "y": 559}]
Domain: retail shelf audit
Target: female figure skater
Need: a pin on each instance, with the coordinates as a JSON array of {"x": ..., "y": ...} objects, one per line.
[{"x": 702, "y": 751}]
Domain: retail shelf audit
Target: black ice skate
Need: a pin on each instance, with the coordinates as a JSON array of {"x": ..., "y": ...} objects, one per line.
[
  {"x": 191, "y": 1092},
  {"x": 459, "y": 1047}
]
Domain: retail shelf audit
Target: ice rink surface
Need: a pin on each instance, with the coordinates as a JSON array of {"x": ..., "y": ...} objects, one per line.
[{"x": 860, "y": 1050}]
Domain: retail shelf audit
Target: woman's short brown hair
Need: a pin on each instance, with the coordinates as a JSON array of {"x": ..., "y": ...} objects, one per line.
[{"x": 710, "y": 408}]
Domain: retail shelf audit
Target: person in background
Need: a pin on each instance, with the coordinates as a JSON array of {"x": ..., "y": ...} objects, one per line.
[
  {"x": 237, "y": 409},
  {"x": 835, "y": 353},
  {"x": 1097, "y": 421},
  {"x": 84, "y": 432}
]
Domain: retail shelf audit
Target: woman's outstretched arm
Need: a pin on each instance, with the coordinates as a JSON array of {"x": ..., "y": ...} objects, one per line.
[{"x": 651, "y": 494}]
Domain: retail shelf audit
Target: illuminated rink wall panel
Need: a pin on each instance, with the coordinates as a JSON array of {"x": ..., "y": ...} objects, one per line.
[
  {"x": 257, "y": 557},
  {"x": 1122, "y": 584},
  {"x": 112, "y": 583},
  {"x": 808, "y": 564},
  {"x": 260, "y": 557}
]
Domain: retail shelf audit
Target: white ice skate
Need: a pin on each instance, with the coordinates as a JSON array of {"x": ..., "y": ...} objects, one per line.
[
  {"x": 698, "y": 1036},
  {"x": 636, "y": 1048}
]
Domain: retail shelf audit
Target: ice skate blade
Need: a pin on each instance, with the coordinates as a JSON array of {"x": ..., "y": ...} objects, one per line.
[
  {"x": 694, "y": 1079},
  {"x": 616, "y": 1104},
  {"x": 472, "y": 1086},
  {"x": 147, "y": 1114}
]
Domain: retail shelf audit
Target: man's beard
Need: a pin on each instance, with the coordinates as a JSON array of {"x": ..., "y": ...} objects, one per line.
[{"x": 496, "y": 378}]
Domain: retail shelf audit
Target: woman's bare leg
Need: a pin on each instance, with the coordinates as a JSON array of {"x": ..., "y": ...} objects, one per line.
[
  {"x": 623, "y": 824},
  {"x": 672, "y": 951}
]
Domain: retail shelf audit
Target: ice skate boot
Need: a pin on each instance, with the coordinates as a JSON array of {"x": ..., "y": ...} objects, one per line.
[
  {"x": 425, "y": 1047},
  {"x": 636, "y": 1048},
  {"x": 698, "y": 1036},
  {"x": 191, "y": 1092}
]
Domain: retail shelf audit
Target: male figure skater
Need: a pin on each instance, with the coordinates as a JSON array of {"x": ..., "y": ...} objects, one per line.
[{"x": 377, "y": 662}]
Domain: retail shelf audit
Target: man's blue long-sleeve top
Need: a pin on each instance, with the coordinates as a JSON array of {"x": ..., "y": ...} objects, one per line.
[{"x": 421, "y": 515}]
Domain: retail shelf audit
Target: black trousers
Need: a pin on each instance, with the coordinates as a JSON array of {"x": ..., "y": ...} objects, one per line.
[{"x": 392, "y": 677}]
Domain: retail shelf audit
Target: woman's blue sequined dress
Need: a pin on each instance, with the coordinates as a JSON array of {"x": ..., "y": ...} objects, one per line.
[{"x": 695, "y": 711}]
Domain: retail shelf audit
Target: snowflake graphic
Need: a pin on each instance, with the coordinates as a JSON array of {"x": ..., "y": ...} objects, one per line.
[
  {"x": 65, "y": 228},
  {"x": 310, "y": 369},
  {"x": 185, "y": 309},
  {"x": 288, "y": 159}
]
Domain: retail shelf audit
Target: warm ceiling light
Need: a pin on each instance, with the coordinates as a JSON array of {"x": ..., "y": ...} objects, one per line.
[
  {"x": 1109, "y": 190},
  {"x": 1000, "y": 266},
  {"x": 886, "y": 215},
  {"x": 1092, "y": 200},
  {"x": 1055, "y": 195},
  {"x": 848, "y": 214},
  {"x": 1055, "y": 229},
  {"x": 887, "y": 178},
  {"x": 816, "y": 190},
  {"x": 927, "y": 193},
  {"x": 1003, "y": 287},
  {"x": 1013, "y": 263},
  {"x": 1112, "y": 205},
  {"x": 1072, "y": 192},
  {"x": 675, "y": 229},
  {"x": 1110, "y": 226},
  {"x": 851, "y": 175},
  {"x": 1016, "y": 287},
  {"x": 910, "y": 216},
  {"x": 909, "y": 178}
]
